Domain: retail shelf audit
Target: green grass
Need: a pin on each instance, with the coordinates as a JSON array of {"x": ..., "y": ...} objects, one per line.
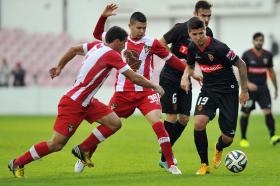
[{"x": 130, "y": 157}]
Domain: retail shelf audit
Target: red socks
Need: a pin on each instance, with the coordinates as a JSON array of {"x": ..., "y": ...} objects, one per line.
[
  {"x": 36, "y": 152},
  {"x": 164, "y": 142}
]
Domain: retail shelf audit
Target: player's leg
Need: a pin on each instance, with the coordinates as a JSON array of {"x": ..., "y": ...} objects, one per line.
[
  {"x": 265, "y": 104},
  {"x": 204, "y": 111},
  {"x": 243, "y": 127},
  {"x": 109, "y": 124},
  {"x": 63, "y": 130},
  {"x": 244, "y": 119},
  {"x": 153, "y": 118},
  {"x": 228, "y": 113},
  {"x": 169, "y": 106}
]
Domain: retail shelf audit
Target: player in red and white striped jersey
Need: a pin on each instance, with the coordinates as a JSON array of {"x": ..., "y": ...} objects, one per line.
[
  {"x": 138, "y": 54},
  {"x": 79, "y": 104}
]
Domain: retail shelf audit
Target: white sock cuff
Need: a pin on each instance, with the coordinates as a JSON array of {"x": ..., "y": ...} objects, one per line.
[
  {"x": 34, "y": 153},
  {"x": 163, "y": 140},
  {"x": 98, "y": 135}
]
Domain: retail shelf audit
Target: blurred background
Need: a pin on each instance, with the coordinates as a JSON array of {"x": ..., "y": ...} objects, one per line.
[{"x": 34, "y": 34}]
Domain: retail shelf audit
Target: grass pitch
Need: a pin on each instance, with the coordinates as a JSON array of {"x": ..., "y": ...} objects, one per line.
[{"x": 130, "y": 157}]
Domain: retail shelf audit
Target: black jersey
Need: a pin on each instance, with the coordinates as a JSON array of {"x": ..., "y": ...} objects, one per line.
[
  {"x": 179, "y": 38},
  {"x": 257, "y": 65},
  {"x": 215, "y": 62}
]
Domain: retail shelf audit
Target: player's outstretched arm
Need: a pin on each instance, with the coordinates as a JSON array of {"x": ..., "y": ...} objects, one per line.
[
  {"x": 274, "y": 81},
  {"x": 99, "y": 28},
  {"x": 244, "y": 95},
  {"x": 142, "y": 81},
  {"x": 70, "y": 54}
]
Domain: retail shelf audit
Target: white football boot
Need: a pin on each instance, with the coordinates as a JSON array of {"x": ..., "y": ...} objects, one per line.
[
  {"x": 173, "y": 169},
  {"x": 79, "y": 166}
]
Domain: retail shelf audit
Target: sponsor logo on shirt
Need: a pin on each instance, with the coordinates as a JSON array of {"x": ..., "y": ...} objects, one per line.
[
  {"x": 210, "y": 68},
  {"x": 253, "y": 62},
  {"x": 257, "y": 70}
]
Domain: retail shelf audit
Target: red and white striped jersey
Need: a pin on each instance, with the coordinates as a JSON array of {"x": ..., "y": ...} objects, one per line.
[
  {"x": 138, "y": 54},
  {"x": 98, "y": 63}
]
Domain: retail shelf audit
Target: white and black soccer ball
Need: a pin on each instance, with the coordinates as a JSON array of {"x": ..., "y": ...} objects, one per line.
[{"x": 236, "y": 161}]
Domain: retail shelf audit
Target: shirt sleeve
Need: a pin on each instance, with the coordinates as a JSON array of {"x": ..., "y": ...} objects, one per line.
[
  {"x": 270, "y": 61},
  {"x": 172, "y": 34},
  {"x": 160, "y": 51},
  {"x": 227, "y": 54},
  {"x": 114, "y": 59},
  {"x": 98, "y": 32},
  {"x": 191, "y": 55},
  {"x": 88, "y": 46}
]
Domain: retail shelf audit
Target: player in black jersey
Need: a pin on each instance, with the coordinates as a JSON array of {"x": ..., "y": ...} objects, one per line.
[
  {"x": 219, "y": 90},
  {"x": 259, "y": 62},
  {"x": 175, "y": 102}
]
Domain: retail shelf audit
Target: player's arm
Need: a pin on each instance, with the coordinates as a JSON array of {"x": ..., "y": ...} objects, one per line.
[
  {"x": 68, "y": 56},
  {"x": 164, "y": 43},
  {"x": 142, "y": 81},
  {"x": 169, "y": 58},
  {"x": 185, "y": 81},
  {"x": 273, "y": 78},
  {"x": 241, "y": 65},
  {"x": 99, "y": 28}
]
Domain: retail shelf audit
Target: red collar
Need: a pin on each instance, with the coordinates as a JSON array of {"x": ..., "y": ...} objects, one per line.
[
  {"x": 207, "y": 44},
  {"x": 256, "y": 52}
]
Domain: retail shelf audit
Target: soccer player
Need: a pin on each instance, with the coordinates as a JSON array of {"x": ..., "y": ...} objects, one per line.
[
  {"x": 259, "y": 61},
  {"x": 219, "y": 90},
  {"x": 138, "y": 53},
  {"x": 79, "y": 104},
  {"x": 175, "y": 102}
]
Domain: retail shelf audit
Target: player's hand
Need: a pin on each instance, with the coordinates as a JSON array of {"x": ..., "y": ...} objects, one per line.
[
  {"x": 185, "y": 84},
  {"x": 159, "y": 90},
  {"x": 252, "y": 87},
  {"x": 55, "y": 71},
  {"x": 243, "y": 97},
  {"x": 198, "y": 78},
  {"x": 109, "y": 10}
]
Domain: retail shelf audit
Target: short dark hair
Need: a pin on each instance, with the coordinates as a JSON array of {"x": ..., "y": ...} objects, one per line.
[
  {"x": 138, "y": 16},
  {"x": 257, "y": 34},
  {"x": 203, "y": 4},
  {"x": 114, "y": 33},
  {"x": 195, "y": 23}
]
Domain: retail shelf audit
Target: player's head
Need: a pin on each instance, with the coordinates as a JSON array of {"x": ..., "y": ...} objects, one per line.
[
  {"x": 197, "y": 32},
  {"x": 203, "y": 11},
  {"x": 258, "y": 40},
  {"x": 116, "y": 38},
  {"x": 137, "y": 25}
]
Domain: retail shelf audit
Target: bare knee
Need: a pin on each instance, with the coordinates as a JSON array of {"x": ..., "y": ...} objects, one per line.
[
  {"x": 184, "y": 119},
  {"x": 172, "y": 118},
  {"x": 227, "y": 139},
  {"x": 115, "y": 125},
  {"x": 55, "y": 146}
]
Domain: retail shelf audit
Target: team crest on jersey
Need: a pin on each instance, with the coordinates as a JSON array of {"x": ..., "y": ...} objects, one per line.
[
  {"x": 70, "y": 128},
  {"x": 211, "y": 57},
  {"x": 132, "y": 59},
  {"x": 183, "y": 49},
  {"x": 147, "y": 49},
  {"x": 199, "y": 107},
  {"x": 113, "y": 106},
  {"x": 265, "y": 61}
]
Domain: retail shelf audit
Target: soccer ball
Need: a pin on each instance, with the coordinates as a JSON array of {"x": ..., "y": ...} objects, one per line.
[{"x": 236, "y": 161}]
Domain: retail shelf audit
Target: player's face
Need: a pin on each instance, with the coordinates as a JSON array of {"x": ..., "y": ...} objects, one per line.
[
  {"x": 204, "y": 15},
  {"x": 198, "y": 36},
  {"x": 120, "y": 45},
  {"x": 137, "y": 29},
  {"x": 258, "y": 43}
]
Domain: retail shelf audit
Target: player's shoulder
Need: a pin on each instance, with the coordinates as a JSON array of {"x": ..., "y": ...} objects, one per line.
[
  {"x": 148, "y": 40},
  {"x": 267, "y": 53},
  {"x": 209, "y": 32},
  {"x": 218, "y": 44}
]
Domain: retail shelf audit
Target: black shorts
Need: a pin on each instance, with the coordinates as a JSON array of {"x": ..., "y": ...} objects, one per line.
[
  {"x": 227, "y": 103},
  {"x": 175, "y": 100},
  {"x": 262, "y": 96}
]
